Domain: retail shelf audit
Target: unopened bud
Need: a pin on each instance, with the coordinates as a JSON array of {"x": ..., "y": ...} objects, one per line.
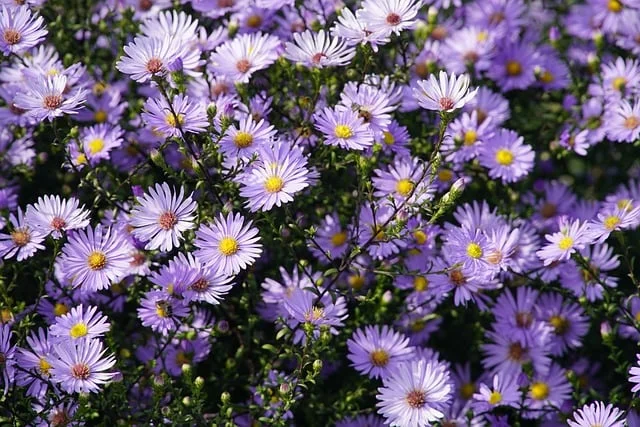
[
  {"x": 225, "y": 398},
  {"x": 186, "y": 368},
  {"x": 317, "y": 365},
  {"x": 186, "y": 401},
  {"x": 198, "y": 382}
]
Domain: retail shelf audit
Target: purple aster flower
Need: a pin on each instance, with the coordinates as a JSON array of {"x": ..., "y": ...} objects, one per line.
[
  {"x": 190, "y": 117},
  {"x": 161, "y": 311},
  {"x": 557, "y": 200},
  {"x": 330, "y": 240},
  {"x": 620, "y": 79},
  {"x": 373, "y": 224},
  {"x": 515, "y": 315},
  {"x": 573, "y": 236},
  {"x": 467, "y": 137},
  {"x": 188, "y": 352},
  {"x": 35, "y": 363},
  {"x": 245, "y": 139},
  {"x": 514, "y": 65},
  {"x": 98, "y": 141},
  {"x": 48, "y": 97},
  {"x": 244, "y": 55},
  {"x": 372, "y": 104},
  {"x": 7, "y": 353},
  {"x": 446, "y": 276},
  {"x": 204, "y": 283},
  {"x": 94, "y": 258},
  {"x": 468, "y": 47},
  {"x": 81, "y": 366},
  {"x": 507, "y": 156},
  {"x": 634, "y": 375},
  {"x": 613, "y": 218},
  {"x": 304, "y": 307},
  {"x": 597, "y": 414},
  {"x": 147, "y": 57},
  {"x": 275, "y": 293},
  {"x": 23, "y": 241},
  {"x": 20, "y": 30},
  {"x": 52, "y": 215},
  {"x": 355, "y": 31},
  {"x": 551, "y": 389},
  {"x": 406, "y": 181},
  {"x": 229, "y": 244},
  {"x": 344, "y": 128},
  {"x": 389, "y": 16},
  {"x": 319, "y": 50},
  {"x": 624, "y": 122},
  {"x": 466, "y": 248},
  {"x": 80, "y": 324},
  {"x": 162, "y": 217},
  {"x": 504, "y": 391},
  {"x": 416, "y": 393},
  {"x": 376, "y": 351},
  {"x": 488, "y": 104},
  {"x": 447, "y": 94},
  {"x": 568, "y": 320},
  {"x": 280, "y": 173}
]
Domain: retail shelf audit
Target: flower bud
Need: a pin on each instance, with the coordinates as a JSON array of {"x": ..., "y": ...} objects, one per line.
[
  {"x": 225, "y": 398},
  {"x": 317, "y": 365},
  {"x": 198, "y": 382}
]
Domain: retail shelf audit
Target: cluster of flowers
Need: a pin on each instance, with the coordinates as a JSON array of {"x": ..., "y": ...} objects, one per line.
[{"x": 196, "y": 102}]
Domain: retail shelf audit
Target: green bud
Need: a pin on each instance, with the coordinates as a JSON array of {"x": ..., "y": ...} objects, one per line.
[
  {"x": 225, "y": 398},
  {"x": 186, "y": 368},
  {"x": 198, "y": 382},
  {"x": 317, "y": 365},
  {"x": 186, "y": 401}
]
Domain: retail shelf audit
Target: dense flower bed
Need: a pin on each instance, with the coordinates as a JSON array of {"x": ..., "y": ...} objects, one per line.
[{"x": 358, "y": 213}]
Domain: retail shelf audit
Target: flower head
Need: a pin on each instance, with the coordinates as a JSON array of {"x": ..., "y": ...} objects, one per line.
[
  {"x": 446, "y": 94},
  {"x": 81, "y": 366}
]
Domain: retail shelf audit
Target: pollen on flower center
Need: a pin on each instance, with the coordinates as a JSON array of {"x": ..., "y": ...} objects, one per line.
[
  {"x": 228, "y": 246},
  {"x": 539, "y": 390},
  {"x": 565, "y": 243},
  {"x": 154, "y": 65},
  {"x": 474, "y": 250},
  {"x": 12, "y": 36},
  {"x": 631, "y": 122},
  {"x": 504, "y": 157},
  {"x": 625, "y": 204},
  {"x": 524, "y": 319},
  {"x": 316, "y": 313},
  {"x": 97, "y": 260},
  {"x": 243, "y": 65},
  {"x": 356, "y": 281},
  {"x": 44, "y": 366},
  {"x": 420, "y": 237},
  {"x": 516, "y": 352},
  {"x": 96, "y": 145},
  {"x": 619, "y": 83},
  {"x": 163, "y": 309},
  {"x": 20, "y": 237},
  {"x": 560, "y": 324},
  {"x": 445, "y": 175},
  {"x": 59, "y": 309},
  {"x": 243, "y": 139},
  {"x": 611, "y": 222},
  {"x": 58, "y": 223},
  {"x": 420, "y": 284},
  {"x": 494, "y": 257},
  {"x": 614, "y": 6},
  {"x": 318, "y": 57},
  {"x": 254, "y": 21},
  {"x": 514, "y": 68},
  {"x": 343, "y": 131},
  {"x": 145, "y": 4},
  {"x": 60, "y": 419},
  {"x": 170, "y": 119},
  {"x": 495, "y": 397},
  {"x": 446, "y": 103},
  {"x": 470, "y": 137},
  {"x": 51, "y": 102},
  {"x": 467, "y": 390},
  {"x": 200, "y": 285},
  {"x": 80, "y": 371},
  {"x": 388, "y": 138},
  {"x": 78, "y": 330},
  {"x": 393, "y": 19},
  {"x": 167, "y": 220},
  {"x": 546, "y": 77},
  {"x": 416, "y": 398},
  {"x": 273, "y": 184},
  {"x": 404, "y": 187},
  {"x": 339, "y": 238},
  {"x": 379, "y": 357}
]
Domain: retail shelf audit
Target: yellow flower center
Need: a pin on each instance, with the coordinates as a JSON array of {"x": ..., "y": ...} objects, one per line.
[
  {"x": 482, "y": 36},
  {"x": 170, "y": 119},
  {"x": 418, "y": 325},
  {"x": 343, "y": 131},
  {"x": 539, "y": 390},
  {"x": 420, "y": 284},
  {"x": 388, "y": 138},
  {"x": 614, "y": 6},
  {"x": 356, "y": 281},
  {"x": 228, "y": 246},
  {"x": 474, "y": 250},
  {"x": 59, "y": 309},
  {"x": 379, "y": 358},
  {"x": 467, "y": 390},
  {"x": 637, "y": 316},
  {"x": 100, "y": 116},
  {"x": 20, "y": 237},
  {"x": 504, "y": 157},
  {"x": 96, "y": 145},
  {"x": 404, "y": 187},
  {"x": 495, "y": 397},
  {"x": 631, "y": 122},
  {"x": 339, "y": 238},
  {"x": 611, "y": 222},
  {"x": 470, "y": 137},
  {"x": 97, "y": 260},
  {"x": 546, "y": 77},
  {"x": 44, "y": 366},
  {"x": 163, "y": 309},
  {"x": 565, "y": 243},
  {"x": 378, "y": 232},
  {"x": 625, "y": 204},
  {"x": 514, "y": 68},
  {"x": 78, "y": 330},
  {"x": 243, "y": 139},
  {"x": 420, "y": 237},
  {"x": 445, "y": 175},
  {"x": 273, "y": 184},
  {"x": 559, "y": 323},
  {"x": 81, "y": 159},
  {"x": 619, "y": 83},
  {"x": 99, "y": 88}
]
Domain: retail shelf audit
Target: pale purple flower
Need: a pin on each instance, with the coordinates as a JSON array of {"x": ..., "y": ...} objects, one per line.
[
  {"x": 80, "y": 324},
  {"x": 81, "y": 366},
  {"x": 318, "y": 50},
  {"x": 53, "y": 215},
  {"x": 376, "y": 351},
  {"x": 22, "y": 241},
  {"x": 20, "y": 30},
  {"x": 448, "y": 93},
  {"x": 48, "y": 97}
]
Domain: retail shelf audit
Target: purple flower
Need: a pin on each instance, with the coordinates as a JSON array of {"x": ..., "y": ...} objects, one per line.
[
  {"x": 48, "y": 97},
  {"x": 241, "y": 142},
  {"x": 204, "y": 283},
  {"x": 52, "y": 215},
  {"x": 229, "y": 245},
  {"x": 551, "y": 389},
  {"x": 80, "y": 324},
  {"x": 318, "y": 50},
  {"x": 20, "y": 30},
  {"x": 35, "y": 363},
  {"x": 513, "y": 66},
  {"x": 98, "y": 141},
  {"x": 23, "y": 241},
  {"x": 161, "y": 311},
  {"x": 568, "y": 320},
  {"x": 389, "y": 16},
  {"x": 330, "y": 241},
  {"x": 7, "y": 353},
  {"x": 81, "y": 366},
  {"x": 623, "y": 121},
  {"x": 416, "y": 393},
  {"x": 376, "y": 351},
  {"x": 447, "y": 94},
  {"x": 344, "y": 128},
  {"x": 94, "y": 258},
  {"x": 597, "y": 414},
  {"x": 162, "y": 217},
  {"x": 305, "y": 307},
  {"x": 507, "y": 156},
  {"x": 189, "y": 117},
  {"x": 634, "y": 375},
  {"x": 147, "y": 57},
  {"x": 572, "y": 237},
  {"x": 244, "y": 55},
  {"x": 504, "y": 391}
]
